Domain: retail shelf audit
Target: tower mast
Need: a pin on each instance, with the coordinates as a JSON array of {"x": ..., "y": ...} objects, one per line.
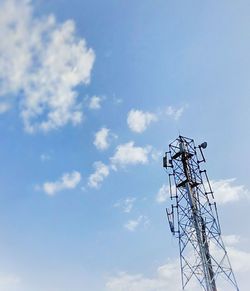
[{"x": 193, "y": 219}]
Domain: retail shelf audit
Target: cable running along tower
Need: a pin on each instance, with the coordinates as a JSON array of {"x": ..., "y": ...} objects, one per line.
[{"x": 193, "y": 219}]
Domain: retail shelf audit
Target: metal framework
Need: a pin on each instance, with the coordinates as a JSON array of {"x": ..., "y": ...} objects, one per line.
[{"x": 193, "y": 219}]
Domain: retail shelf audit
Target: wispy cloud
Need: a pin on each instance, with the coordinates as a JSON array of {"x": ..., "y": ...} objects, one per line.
[
  {"x": 175, "y": 112},
  {"x": 101, "y": 172},
  {"x": 95, "y": 102},
  {"x": 4, "y": 107},
  {"x": 126, "y": 205},
  {"x": 138, "y": 121},
  {"x": 67, "y": 181},
  {"x": 43, "y": 61},
  {"x": 45, "y": 157},
  {"x": 117, "y": 101},
  {"x": 156, "y": 154},
  {"x": 133, "y": 224}
]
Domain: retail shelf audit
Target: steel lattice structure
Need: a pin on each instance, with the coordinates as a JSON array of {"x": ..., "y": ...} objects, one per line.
[{"x": 193, "y": 219}]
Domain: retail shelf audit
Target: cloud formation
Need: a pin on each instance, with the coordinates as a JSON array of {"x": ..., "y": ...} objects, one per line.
[
  {"x": 101, "y": 141},
  {"x": 174, "y": 112},
  {"x": 42, "y": 62},
  {"x": 126, "y": 205},
  {"x": 162, "y": 194},
  {"x": 4, "y": 107},
  {"x": 133, "y": 224},
  {"x": 225, "y": 191},
  {"x": 125, "y": 155},
  {"x": 129, "y": 154},
  {"x": 138, "y": 121},
  {"x": 67, "y": 181},
  {"x": 167, "y": 277},
  {"x": 95, "y": 102},
  {"x": 101, "y": 172}
]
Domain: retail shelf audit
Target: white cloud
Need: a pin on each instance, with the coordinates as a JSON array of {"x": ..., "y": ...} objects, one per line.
[
  {"x": 126, "y": 205},
  {"x": 167, "y": 277},
  {"x": 132, "y": 225},
  {"x": 174, "y": 112},
  {"x": 162, "y": 194},
  {"x": 156, "y": 155},
  {"x": 102, "y": 139},
  {"x": 4, "y": 107},
  {"x": 240, "y": 260},
  {"x": 125, "y": 154},
  {"x": 101, "y": 172},
  {"x": 128, "y": 154},
  {"x": 95, "y": 102},
  {"x": 138, "y": 121},
  {"x": 42, "y": 61},
  {"x": 67, "y": 181},
  {"x": 225, "y": 191}
]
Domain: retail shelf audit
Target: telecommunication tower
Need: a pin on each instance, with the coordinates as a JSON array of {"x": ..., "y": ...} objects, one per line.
[{"x": 193, "y": 219}]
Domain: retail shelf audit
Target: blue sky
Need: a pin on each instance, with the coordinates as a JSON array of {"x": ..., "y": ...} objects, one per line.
[{"x": 91, "y": 94}]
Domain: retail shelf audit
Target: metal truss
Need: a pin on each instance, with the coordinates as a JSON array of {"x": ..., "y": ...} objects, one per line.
[{"x": 193, "y": 219}]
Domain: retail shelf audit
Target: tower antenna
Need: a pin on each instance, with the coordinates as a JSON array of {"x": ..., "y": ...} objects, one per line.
[{"x": 193, "y": 219}]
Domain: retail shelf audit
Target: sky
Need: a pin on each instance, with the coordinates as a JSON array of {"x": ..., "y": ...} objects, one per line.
[{"x": 91, "y": 94}]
